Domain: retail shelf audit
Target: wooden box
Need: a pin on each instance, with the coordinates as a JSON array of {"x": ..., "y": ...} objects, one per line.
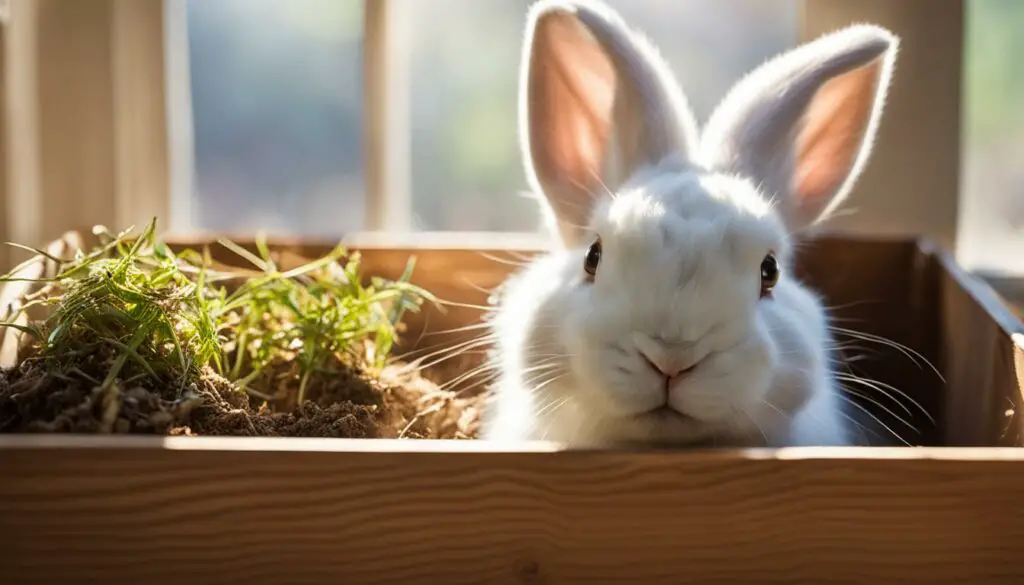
[{"x": 77, "y": 509}]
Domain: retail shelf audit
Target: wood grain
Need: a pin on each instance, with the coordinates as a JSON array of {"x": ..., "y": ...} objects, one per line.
[
  {"x": 983, "y": 349},
  {"x": 279, "y": 512},
  {"x": 141, "y": 134},
  {"x": 4, "y": 154},
  {"x": 386, "y": 115},
  {"x": 22, "y": 201},
  {"x": 85, "y": 115}
]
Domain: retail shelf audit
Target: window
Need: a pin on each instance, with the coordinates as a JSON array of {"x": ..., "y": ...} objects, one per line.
[
  {"x": 992, "y": 201},
  {"x": 276, "y": 89},
  {"x": 277, "y": 110}
]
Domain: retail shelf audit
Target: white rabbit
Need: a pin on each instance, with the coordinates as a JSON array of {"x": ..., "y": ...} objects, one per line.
[{"x": 669, "y": 313}]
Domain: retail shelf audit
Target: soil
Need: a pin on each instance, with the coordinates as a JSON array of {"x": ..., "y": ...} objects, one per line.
[{"x": 399, "y": 404}]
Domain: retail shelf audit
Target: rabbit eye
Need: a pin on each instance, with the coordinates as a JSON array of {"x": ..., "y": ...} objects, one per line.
[
  {"x": 769, "y": 275},
  {"x": 592, "y": 259}
]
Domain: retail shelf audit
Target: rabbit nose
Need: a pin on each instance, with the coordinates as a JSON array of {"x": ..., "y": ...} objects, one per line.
[
  {"x": 668, "y": 361},
  {"x": 666, "y": 367}
]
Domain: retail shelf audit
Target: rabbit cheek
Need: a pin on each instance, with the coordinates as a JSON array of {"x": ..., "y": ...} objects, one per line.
[
  {"x": 594, "y": 390},
  {"x": 589, "y": 337}
]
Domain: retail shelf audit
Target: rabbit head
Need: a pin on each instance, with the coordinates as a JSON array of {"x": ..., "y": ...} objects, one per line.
[{"x": 669, "y": 311}]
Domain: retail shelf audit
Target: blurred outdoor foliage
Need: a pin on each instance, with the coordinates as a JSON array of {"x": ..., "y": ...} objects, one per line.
[{"x": 992, "y": 185}]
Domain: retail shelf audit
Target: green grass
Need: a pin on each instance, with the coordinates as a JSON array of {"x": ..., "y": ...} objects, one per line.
[{"x": 162, "y": 317}]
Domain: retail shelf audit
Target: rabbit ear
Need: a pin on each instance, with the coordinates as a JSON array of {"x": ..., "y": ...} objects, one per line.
[
  {"x": 596, "y": 103},
  {"x": 802, "y": 124}
]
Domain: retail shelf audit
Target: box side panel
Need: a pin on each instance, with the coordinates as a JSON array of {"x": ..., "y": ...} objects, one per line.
[
  {"x": 167, "y": 516},
  {"x": 984, "y": 362}
]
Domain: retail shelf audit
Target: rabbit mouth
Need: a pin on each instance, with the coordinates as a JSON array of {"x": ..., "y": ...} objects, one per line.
[
  {"x": 665, "y": 426},
  {"x": 665, "y": 415}
]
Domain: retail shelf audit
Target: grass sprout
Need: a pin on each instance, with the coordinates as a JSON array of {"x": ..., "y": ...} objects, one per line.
[{"x": 150, "y": 314}]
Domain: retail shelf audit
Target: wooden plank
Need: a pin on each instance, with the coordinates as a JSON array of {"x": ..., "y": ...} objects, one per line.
[
  {"x": 983, "y": 349},
  {"x": 141, "y": 138},
  {"x": 181, "y": 123},
  {"x": 5, "y": 263},
  {"x": 22, "y": 205},
  {"x": 386, "y": 131},
  {"x": 77, "y": 148},
  {"x": 87, "y": 127},
  {"x": 328, "y": 511},
  {"x": 911, "y": 186}
]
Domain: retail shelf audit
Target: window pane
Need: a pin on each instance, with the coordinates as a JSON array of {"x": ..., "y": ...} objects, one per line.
[
  {"x": 277, "y": 109},
  {"x": 466, "y": 168},
  {"x": 991, "y": 232}
]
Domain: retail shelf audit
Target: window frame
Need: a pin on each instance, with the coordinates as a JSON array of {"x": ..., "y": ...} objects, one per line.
[
  {"x": 145, "y": 158},
  {"x": 85, "y": 128}
]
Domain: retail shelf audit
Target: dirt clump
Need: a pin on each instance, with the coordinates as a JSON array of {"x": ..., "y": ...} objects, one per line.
[{"x": 401, "y": 404}]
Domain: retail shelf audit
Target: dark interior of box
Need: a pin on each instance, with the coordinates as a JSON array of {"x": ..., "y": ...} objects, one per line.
[{"x": 884, "y": 301}]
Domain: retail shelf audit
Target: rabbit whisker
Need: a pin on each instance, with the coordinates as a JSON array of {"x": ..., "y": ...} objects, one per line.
[{"x": 874, "y": 418}]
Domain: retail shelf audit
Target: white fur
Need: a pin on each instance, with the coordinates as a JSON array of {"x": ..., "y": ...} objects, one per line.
[{"x": 684, "y": 222}]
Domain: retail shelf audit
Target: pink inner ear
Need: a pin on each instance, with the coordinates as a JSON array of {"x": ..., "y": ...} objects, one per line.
[
  {"x": 573, "y": 85},
  {"x": 832, "y": 136}
]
